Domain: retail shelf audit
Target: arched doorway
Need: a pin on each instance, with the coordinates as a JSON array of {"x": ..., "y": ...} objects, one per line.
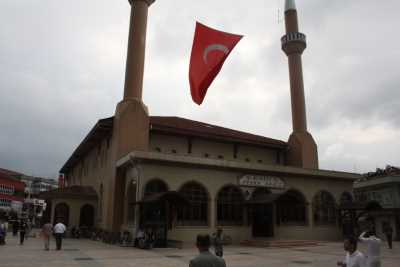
[
  {"x": 61, "y": 213},
  {"x": 262, "y": 213},
  {"x": 154, "y": 213},
  {"x": 86, "y": 218},
  {"x": 347, "y": 215}
]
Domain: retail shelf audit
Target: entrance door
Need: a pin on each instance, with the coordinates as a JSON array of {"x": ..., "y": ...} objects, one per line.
[
  {"x": 262, "y": 220},
  {"x": 154, "y": 218}
]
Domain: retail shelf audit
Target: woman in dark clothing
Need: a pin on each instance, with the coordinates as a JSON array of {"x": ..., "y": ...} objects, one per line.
[
  {"x": 15, "y": 226},
  {"x": 2, "y": 235},
  {"x": 22, "y": 231}
]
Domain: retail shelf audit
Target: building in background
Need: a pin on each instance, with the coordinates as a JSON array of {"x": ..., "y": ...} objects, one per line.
[
  {"x": 377, "y": 196},
  {"x": 11, "y": 192},
  {"x": 19, "y": 194},
  {"x": 36, "y": 185}
]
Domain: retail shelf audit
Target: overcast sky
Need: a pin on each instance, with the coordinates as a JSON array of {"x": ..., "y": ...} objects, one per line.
[{"x": 62, "y": 67}]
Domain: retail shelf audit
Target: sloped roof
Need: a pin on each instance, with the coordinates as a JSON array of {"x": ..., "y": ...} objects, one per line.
[
  {"x": 11, "y": 175},
  {"x": 176, "y": 126},
  {"x": 75, "y": 191},
  {"x": 188, "y": 127}
]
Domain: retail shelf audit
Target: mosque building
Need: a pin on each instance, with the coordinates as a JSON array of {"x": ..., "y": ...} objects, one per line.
[{"x": 184, "y": 177}]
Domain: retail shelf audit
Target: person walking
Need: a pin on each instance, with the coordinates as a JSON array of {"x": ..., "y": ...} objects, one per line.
[
  {"x": 218, "y": 240},
  {"x": 205, "y": 258},
  {"x": 373, "y": 248},
  {"x": 22, "y": 232},
  {"x": 388, "y": 230},
  {"x": 47, "y": 230},
  {"x": 354, "y": 258},
  {"x": 59, "y": 230},
  {"x": 3, "y": 233},
  {"x": 15, "y": 227}
]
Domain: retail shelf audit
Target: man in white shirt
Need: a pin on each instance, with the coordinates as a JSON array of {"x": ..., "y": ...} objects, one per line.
[
  {"x": 59, "y": 230},
  {"x": 373, "y": 253},
  {"x": 354, "y": 258}
]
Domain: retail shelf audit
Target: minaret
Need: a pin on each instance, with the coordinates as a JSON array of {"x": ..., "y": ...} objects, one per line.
[
  {"x": 302, "y": 147},
  {"x": 131, "y": 120},
  {"x": 131, "y": 123}
]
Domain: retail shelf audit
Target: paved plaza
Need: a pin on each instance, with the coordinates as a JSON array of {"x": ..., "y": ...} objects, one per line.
[{"x": 89, "y": 253}]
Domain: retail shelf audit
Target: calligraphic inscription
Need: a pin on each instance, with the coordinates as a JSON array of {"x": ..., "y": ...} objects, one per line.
[{"x": 261, "y": 181}]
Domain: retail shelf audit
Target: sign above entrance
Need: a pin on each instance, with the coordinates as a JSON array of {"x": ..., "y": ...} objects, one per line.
[{"x": 261, "y": 181}]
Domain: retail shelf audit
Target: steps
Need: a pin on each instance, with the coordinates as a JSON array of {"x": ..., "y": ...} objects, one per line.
[{"x": 279, "y": 243}]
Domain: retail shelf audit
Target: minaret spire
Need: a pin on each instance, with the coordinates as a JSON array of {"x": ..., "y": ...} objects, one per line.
[{"x": 302, "y": 147}]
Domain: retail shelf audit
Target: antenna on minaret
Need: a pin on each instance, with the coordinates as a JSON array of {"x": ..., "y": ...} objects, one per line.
[
  {"x": 279, "y": 11},
  {"x": 279, "y": 16}
]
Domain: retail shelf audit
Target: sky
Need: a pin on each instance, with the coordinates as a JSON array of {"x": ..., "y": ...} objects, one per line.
[{"x": 62, "y": 68}]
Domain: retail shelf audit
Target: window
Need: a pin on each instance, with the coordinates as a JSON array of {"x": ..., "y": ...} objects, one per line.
[
  {"x": 230, "y": 205},
  {"x": 5, "y": 202},
  {"x": 8, "y": 190},
  {"x": 291, "y": 208},
  {"x": 324, "y": 208},
  {"x": 197, "y": 212}
]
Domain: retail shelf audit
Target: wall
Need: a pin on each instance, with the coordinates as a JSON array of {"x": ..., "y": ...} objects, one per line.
[
  {"x": 75, "y": 206},
  {"x": 95, "y": 170},
  {"x": 213, "y": 180},
  {"x": 213, "y": 149}
]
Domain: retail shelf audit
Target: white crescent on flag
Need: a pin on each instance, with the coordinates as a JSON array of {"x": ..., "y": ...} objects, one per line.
[{"x": 213, "y": 47}]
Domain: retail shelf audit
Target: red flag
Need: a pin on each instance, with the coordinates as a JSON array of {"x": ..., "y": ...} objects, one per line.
[{"x": 209, "y": 51}]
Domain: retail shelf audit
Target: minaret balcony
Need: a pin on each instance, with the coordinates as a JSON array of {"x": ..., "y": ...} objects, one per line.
[{"x": 293, "y": 42}]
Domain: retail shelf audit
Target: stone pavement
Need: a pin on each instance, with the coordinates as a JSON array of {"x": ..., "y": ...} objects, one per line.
[{"x": 89, "y": 253}]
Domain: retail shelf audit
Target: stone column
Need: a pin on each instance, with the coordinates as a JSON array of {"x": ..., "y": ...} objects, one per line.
[
  {"x": 213, "y": 213},
  {"x": 136, "y": 49},
  {"x": 310, "y": 215}
]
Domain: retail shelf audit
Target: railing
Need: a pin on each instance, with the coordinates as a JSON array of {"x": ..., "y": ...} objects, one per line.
[{"x": 293, "y": 37}]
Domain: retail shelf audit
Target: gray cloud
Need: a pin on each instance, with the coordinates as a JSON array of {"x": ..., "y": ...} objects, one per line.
[{"x": 63, "y": 69}]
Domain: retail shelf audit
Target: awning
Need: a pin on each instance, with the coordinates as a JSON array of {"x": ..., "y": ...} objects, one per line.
[
  {"x": 173, "y": 197},
  {"x": 263, "y": 199}
]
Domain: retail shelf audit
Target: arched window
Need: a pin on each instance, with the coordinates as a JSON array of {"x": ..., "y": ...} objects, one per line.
[
  {"x": 291, "y": 208},
  {"x": 324, "y": 208},
  {"x": 197, "y": 212},
  {"x": 155, "y": 186},
  {"x": 346, "y": 198},
  {"x": 230, "y": 206}
]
